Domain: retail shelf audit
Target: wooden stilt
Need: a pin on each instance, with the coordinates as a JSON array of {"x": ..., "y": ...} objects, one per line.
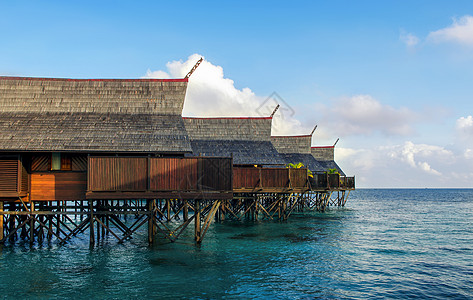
[
  {"x": 92, "y": 234},
  {"x": 185, "y": 211},
  {"x": 197, "y": 221},
  {"x": 1, "y": 221},
  {"x": 31, "y": 223},
  {"x": 150, "y": 222}
]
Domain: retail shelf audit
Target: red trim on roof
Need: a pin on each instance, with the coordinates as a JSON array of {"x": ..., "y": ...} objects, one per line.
[
  {"x": 69, "y": 79},
  {"x": 290, "y": 136},
  {"x": 323, "y": 147},
  {"x": 227, "y": 118}
]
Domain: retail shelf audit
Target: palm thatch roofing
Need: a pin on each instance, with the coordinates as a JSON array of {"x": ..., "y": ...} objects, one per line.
[
  {"x": 248, "y": 140},
  {"x": 104, "y": 115},
  {"x": 297, "y": 149}
]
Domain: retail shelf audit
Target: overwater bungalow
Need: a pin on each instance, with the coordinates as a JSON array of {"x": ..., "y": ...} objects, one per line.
[
  {"x": 326, "y": 174},
  {"x": 78, "y": 154},
  {"x": 257, "y": 165}
]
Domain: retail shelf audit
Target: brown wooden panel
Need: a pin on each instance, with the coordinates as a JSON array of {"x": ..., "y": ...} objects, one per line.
[
  {"x": 41, "y": 162},
  {"x": 319, "y": 181},
  {"x": 79, "y": 162},
  {"x": 333, "y": 181},
  {"x": 246, "y": 177},
  {"x": 173, "y": 174},
  {"x": 66, "y": 162},
  {"x": 216, "y": 173},
  {"x": 275, "y": 177},
  {"x": 132, "y": 174},
  {"x": 122, "y": 174},
  {"x": 24, "y": 187},
  {"x": 103, "y": 174},
  {"x": 58, "y": 186},
  {"x": 298, "y": 177},
  {"x": 161, "y": 194}
]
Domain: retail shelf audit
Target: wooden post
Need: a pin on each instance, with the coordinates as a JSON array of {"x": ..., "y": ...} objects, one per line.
[
  {"x": 185, "y": 211},
  {"x": 92, "y": 234},
  {"x": 1, "y": 220},
  {"x": 12, "y": 221},
  {"x": 197, "y": 221},
  {"x": 168, "y": 210},
  {"x": 222, "y": 212},
  {"x": 31, "y": 223},
  {"x": 150, "y": 222}
]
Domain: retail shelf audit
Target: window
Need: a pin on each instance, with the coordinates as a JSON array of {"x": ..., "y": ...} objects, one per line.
[
  {"x": 60, "y": 162},
  {"x": 66, "y": 162},
  {"x": 55, "y": 161}
]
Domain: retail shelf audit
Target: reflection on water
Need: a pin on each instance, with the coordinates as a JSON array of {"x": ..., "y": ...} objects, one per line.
[{"x": 386, "y": 243}]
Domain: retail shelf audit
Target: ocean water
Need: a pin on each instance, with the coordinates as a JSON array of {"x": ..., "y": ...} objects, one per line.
[{"x": 383, "y": 244}]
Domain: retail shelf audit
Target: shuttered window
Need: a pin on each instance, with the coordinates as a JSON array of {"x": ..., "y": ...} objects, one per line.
[{"x": 8, "y": 175}]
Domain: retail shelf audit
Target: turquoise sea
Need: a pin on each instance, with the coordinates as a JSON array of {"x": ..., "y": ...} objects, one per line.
[{"x": 401, "y": 243}]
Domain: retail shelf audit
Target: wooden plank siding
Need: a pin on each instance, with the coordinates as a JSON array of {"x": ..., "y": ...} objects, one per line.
[
  {"x": 173, "y": 174},
  {"x": 252, "y": 179},
  {"x": 151, "y": 177},
  {"x": 215, "y": 173},
  {"x": 56, "y": 186},
  {"x": 13, "y": 177},
  {"x": 249, "y": 178},
  {"x": 298, "y": 177}
]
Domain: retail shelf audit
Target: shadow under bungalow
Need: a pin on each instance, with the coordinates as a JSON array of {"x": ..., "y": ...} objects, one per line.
[{"x": 77, "y": 156}]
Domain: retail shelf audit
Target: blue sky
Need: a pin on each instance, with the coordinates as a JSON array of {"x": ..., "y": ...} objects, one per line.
[{"x": 392, "y": 79}]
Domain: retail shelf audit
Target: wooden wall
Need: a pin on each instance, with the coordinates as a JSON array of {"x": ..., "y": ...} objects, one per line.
[
  {"x": 139, "y": 174},
  {"x": 271, "y": 179},
  {"x": 58, "y": 186}
]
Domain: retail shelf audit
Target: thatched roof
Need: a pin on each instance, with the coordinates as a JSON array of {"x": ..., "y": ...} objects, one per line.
[
  {"x": 292, "y": 144},
  {"x": 116, "y": 115},
  {"x": 325, "y": 155},
  {"x": 248, "y": 140},
  {"x": 297, "y": 149}
]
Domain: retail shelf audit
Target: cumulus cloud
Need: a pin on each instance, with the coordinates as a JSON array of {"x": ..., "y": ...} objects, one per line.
[
  {"x": 209, "y": 93},
  {"x": 468, "y": 154},
  {"x": 362, "y": 114},
  {"x": 464, "y": 131},
  {"x": 409, "y": 39},
  {"x": 415, "y": 155},
  {"x": 407, "y": 165},
  {"x": 465, "y": 124},
  {"x": 461, "y": 31}
]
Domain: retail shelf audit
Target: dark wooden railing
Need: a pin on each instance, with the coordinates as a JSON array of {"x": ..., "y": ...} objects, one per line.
[
  {"x": 150, "y": 174},
  {"x": 269, "y": 179},
  {"x": 324, "y": 181}
]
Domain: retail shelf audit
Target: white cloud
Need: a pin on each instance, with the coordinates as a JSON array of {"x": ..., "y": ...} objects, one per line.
[
  {"x": 409, "y": 39},
  {"x": 465, "y": 124},
  {"x": 402, "y": 165},
  {"x": 468, "y": 154},
  {"x": 407, "y": 165},
  {"x": 157, "y": 74},
  {"x": 209, "y": 93},
  {"x": 411, "y": 154},
  {"x": 362, "y": 114},
  {"x": 464, "y": 128},
  {"x": 461, "y": 31}
]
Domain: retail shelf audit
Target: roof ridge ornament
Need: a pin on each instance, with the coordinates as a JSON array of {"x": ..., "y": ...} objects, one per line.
[
  {"x": 193, "y": 68},
  {"x": 275, "y": 110},
  {"x": 313, "y": 130},
  {"x": 336, "y": 142}
]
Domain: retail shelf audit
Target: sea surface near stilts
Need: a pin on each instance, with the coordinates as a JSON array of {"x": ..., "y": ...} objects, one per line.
[{"x": 407, "y": 243}]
